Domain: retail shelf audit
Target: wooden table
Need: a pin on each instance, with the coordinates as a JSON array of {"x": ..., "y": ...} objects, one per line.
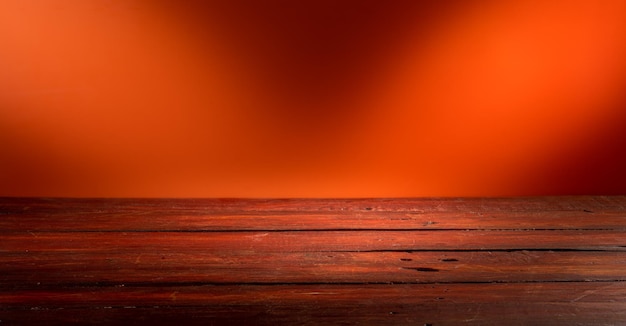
[{"x": 475, "y": 261}]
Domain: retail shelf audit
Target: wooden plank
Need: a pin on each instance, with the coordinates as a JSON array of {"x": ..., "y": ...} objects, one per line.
[
  {"x": 310, "y": 241},
  {"x": 204, "y": 205},
  {"x": 195, "y": 267},
  {"x": 304, "y": 221},
  {"x": 585, "y": 213},
  {"x": 438, "y": 304},
  {"x": 441, "y": 314},
  {"x": 439, "y": 261},
  {"x": 206, "y": 295}
]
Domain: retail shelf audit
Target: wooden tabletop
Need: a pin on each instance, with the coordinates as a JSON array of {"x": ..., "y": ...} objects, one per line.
[{"x": 428, "y": 261}]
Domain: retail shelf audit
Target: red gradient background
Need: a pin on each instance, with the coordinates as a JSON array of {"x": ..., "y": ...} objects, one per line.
[{"x": 312, "y": 98}]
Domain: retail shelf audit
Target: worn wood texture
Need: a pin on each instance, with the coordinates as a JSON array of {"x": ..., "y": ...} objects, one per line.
[{"x": 434, "y": 261}]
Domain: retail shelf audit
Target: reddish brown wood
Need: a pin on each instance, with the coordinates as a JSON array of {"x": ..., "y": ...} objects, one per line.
[
  {"x": 313, "y": 241},
  {"x": 140, "y": 267},
  {"x": 439, "y": 261},
  {"x": 588, "y": 213},
  {"x": 587, "y": 303}
]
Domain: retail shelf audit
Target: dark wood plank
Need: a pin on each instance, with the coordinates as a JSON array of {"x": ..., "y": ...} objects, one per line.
[
  {"x": 174, "y": 206},
  {"x": 174, "y": 266},
  {"x": 311, "y": 241},
  {"x": 584, "y": 213},
  {"x": 585, "y": 303}
]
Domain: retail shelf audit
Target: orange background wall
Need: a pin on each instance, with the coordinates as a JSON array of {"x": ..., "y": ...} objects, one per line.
[{"x": 312, "y": 98}]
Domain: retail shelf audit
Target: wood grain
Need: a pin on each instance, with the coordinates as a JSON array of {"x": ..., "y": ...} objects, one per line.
[
  {"x": 424, "y": 261},
  {"x": 436, "y": 304},
  {"x": 61, "y": 214}
]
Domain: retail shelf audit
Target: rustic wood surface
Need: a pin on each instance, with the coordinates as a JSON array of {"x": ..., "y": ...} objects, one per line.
[{"x": 432, "y": 261}]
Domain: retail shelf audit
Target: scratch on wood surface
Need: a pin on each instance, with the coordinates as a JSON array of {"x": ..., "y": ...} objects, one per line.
[
  {"x": 476, "y": 314},
  {"x": 319, "y": 293},
  {"x": 258, "y": 237},
  {"x": 590, "y": 292}
]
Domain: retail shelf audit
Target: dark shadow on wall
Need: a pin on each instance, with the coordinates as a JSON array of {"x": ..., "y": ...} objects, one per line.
[{"x": 315, "y": 55}]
